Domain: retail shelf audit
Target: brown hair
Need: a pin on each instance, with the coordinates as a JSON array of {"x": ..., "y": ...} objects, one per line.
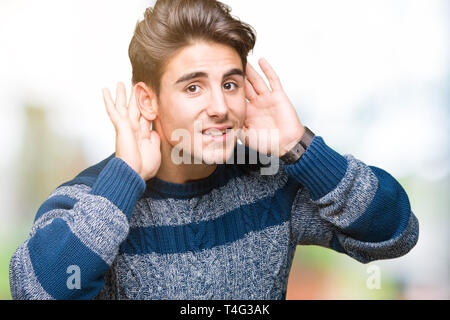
[{"x": 173, "y": 24}]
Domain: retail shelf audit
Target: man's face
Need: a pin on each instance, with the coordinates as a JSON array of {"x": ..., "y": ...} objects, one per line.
[{"x": 203, "y": 87}]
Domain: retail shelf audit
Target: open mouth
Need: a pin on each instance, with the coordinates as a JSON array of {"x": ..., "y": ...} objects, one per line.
[{"x": 217, "y": 134}]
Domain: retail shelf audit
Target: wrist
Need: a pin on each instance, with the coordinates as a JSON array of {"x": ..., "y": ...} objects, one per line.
[
  {"x": 299, "y": 147},
  {"x": 292, "y": 141}
]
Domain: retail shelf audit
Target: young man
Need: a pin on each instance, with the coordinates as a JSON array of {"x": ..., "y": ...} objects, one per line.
[{"x": 143, "y": 225}]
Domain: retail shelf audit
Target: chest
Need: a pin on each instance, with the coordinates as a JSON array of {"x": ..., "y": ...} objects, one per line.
[{"x": 254, "y": 266}]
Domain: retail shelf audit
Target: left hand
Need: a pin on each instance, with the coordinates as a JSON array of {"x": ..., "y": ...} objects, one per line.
[{"x": 269, "y": 112}]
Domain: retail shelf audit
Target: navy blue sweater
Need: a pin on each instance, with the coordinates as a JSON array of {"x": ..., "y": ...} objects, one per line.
[{"x": 108, "y": 234}]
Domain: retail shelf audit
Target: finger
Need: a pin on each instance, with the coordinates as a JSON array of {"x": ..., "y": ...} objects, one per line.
[
  {"x": 121, "y": 95},
  {"x": 271, "y": 75},
  {"x": 256, "y": 80},
  {"x": 250, "y": 93},
  {"x": 109, "y": 104},
  {"x": 133, "y": 108}
]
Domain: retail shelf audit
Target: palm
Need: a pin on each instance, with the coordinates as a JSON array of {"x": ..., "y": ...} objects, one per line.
[
  {"x": 136, "y": 144},
  {"x": 262, "y": 111},
  {"x": 271, "y": 120}
]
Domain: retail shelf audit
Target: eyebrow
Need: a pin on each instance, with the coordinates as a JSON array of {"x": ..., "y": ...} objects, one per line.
[{"x": 201, "y": 74}]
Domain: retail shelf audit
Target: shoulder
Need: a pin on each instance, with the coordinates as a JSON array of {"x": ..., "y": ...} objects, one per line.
[
  {"x": 89, "y": 175},
  {"x": 258, "y": 168}
]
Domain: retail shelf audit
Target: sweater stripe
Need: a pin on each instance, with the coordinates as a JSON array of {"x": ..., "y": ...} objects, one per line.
[
  {"x": 319, "y": 169},
  {"x": 379, "y": 213},
  {"x": 207, "y": 234},
  {"x": 120, "y": 184},
  {"x": 89, "y": 175},
  {"x": 50, "y": 262},
  {"x": 24, "y": 284},
  {"x": 231, "y": 235},
  {"x": 388, "y": 213},
  {"x": 56, "y": 202}
]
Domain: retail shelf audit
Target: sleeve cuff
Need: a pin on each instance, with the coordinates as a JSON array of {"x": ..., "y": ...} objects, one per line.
[
  {"x": 320, "y": 169},
  {"x": 120, "y": 184}
]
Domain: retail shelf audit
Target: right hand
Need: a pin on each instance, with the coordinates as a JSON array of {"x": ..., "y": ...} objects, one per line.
[{"x": 136, "y": 144}]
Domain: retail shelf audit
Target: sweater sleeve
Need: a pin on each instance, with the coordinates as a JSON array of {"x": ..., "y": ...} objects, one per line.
[
  {"x": 76, "y": 236},
  {"x": 347, "y": 206}
]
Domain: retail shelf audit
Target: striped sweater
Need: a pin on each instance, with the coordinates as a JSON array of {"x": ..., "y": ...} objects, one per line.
[{"x": 231, "y": 235}]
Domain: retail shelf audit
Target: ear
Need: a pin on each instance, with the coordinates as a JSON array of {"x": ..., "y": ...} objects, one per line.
[{"x": 146, "y": 101}]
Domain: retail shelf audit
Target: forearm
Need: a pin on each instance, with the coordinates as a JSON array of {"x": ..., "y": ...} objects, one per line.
[
  {"x": 77, "y": 226},
  {"x": 367, "y": 211}
]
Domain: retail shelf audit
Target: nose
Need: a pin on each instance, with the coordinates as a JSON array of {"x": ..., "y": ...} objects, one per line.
[{"x": 217, "y": 107}]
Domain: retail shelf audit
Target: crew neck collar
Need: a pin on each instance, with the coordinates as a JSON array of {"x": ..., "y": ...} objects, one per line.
[{"x": 189, "y": 189}]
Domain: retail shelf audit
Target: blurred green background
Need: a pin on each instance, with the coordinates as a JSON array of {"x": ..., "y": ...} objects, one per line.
[{"x": 371, "y": 77}]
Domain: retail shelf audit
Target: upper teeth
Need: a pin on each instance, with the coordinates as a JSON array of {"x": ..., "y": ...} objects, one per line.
[{"x": 215, "y": 132}]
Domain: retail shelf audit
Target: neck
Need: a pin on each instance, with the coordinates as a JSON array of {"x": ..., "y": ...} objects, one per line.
[{"x": 181, "y": 173}]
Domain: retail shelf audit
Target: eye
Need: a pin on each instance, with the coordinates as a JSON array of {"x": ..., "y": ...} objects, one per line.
[
  {"x": 189, "y": 89},
  {"x": 231, "y": 83}
]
